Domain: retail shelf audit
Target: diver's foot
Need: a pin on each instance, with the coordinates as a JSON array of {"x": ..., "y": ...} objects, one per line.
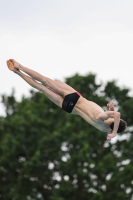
[
  {"x": 10, "y": 65},
  {"x": 13, "y": 65}
]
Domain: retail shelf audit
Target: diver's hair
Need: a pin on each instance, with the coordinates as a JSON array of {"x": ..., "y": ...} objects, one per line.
[{"x": 122, "y": 126}]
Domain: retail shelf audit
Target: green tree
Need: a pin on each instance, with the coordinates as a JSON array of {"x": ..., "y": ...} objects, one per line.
[{"x": 48, "y": 154}]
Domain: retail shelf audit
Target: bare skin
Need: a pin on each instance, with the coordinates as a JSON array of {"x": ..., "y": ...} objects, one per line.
[{"x": 56, "y": 91}]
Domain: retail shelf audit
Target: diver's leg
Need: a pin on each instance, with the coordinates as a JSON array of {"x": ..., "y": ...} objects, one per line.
[
  {"x": 57, "y": 86},
  {"x": 54, "y": 97}
]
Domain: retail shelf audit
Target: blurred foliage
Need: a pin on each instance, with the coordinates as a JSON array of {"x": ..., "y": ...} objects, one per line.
[{"x": 48, "y": 154}]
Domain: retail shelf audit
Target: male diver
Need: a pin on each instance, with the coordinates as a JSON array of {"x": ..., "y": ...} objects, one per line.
[{"x": 72, "y": 101}]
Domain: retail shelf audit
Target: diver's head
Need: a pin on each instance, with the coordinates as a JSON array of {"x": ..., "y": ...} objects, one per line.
[{"x": 122, "y": 126}]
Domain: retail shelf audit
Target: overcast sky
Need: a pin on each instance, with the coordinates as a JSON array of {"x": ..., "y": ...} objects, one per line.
[{"x": 59, "y": 38}]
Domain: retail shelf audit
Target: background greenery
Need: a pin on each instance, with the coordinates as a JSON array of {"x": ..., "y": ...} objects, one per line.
[{"x": 48, "y": 154}]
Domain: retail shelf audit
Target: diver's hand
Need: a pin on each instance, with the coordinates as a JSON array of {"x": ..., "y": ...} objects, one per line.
[
  {"x": 110, "y": 136},
  {"x": 110, "y": 106}
]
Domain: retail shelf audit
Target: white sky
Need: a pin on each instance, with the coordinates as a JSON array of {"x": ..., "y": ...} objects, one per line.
[{"x": 59, "y": 38}]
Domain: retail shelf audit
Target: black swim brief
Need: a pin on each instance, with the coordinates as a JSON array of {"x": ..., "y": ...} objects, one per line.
[{"x": 69, "y": 101}]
